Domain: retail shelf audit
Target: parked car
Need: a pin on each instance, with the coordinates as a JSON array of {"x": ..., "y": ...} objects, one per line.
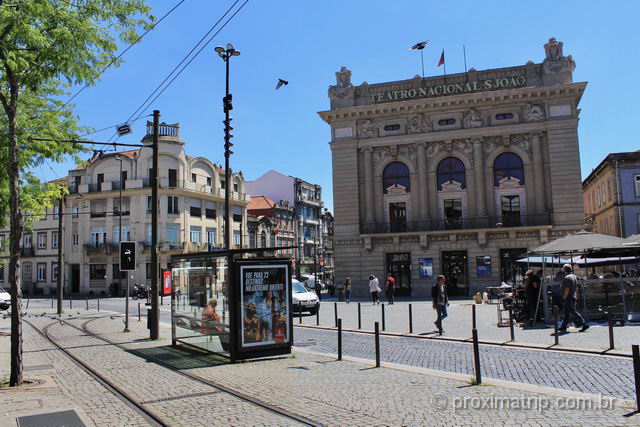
[
  {"x": 5, "y": 299},
  {"x": 303, "y": 298}
]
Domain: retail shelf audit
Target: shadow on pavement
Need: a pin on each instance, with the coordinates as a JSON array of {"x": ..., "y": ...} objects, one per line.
[{"x": 180, "y": 358}]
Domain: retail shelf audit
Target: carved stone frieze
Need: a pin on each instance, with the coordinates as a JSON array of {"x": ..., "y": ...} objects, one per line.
[
  {"x": 419, "y": 123},
  {"x": 474, "y": 119},
  {"x": 412, "y": 239},
  {"x": 352, "y": 242},
  {"x": 451, "y": 147},
  {"x": 533, "y": 113},
  {"x": 494, "y": 143},
  {"x": 390, "y": 152},
  {"x": 367, "y": 129}
]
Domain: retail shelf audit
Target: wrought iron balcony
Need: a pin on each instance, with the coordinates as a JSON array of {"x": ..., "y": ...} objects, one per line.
[
  {"x": 459, "y": 223},
  {"x": 100, "y": 248}
]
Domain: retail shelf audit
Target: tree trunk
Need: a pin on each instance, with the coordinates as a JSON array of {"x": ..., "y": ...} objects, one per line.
[{"x": 15, "y": 238}]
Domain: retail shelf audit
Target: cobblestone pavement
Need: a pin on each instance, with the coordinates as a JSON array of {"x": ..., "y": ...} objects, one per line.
[
  {"x": 346, "y": 393},
  {"x": 611, "y": 376},
  {"x": 458, "y": 324}
]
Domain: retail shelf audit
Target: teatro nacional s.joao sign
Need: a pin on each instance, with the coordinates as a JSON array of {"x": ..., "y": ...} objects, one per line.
[{"x": 449, "y": 89}]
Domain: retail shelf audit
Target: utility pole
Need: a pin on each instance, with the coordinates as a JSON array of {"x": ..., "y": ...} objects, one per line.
[
  {"x": 126, "y": 304},
  {"x": 60, "y": 240},
  {"x": 155, "y": 308}
]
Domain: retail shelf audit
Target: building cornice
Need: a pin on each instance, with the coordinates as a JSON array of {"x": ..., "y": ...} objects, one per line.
[{"x": 433, "y": 105}]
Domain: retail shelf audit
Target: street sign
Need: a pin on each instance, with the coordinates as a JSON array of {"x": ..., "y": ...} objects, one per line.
[
  {"x": 127, "y": 256},
  {"x": 123, "y": 129}
]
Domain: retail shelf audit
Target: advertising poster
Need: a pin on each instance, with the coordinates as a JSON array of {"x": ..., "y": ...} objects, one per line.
[
  {"x": 483, "y": 266},
  {"x": 264, "y": 305},
  {"x": 166, "y": 282},
  {"x": 426, "y": 268}
]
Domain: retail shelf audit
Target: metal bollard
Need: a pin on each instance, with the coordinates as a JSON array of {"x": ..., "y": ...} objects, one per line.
[
  {"x": 377, "y": 339},
  {"x": 339, "y": 339},
  {"x": 611, "y": 342},
  {"x": 139, "y": 316},
  {"x": 636, "y": 371},
  {"x": 70, "y": 301},
  {"x": 511, "y": 331},
  {"x": 382, "y": 316},
  {"x": 473, "y": 317},
  {"x": 335, "y": 313},
  {"x": 300, "y": 310},
  {"x": 28, "y": 299},
  {"x": 51, "y": 300},
  {"x": 556, "y": 338},
  {"x": 87, "y": 301},
  {"x": 318, "y": 315},
  {"x": 161, "y": 299},
  {"x": 410, "y": 320},
  {"x": 98, "y": 303},
  {"x": 476, "y": 356},
  {"x": 359, "y": 317}
]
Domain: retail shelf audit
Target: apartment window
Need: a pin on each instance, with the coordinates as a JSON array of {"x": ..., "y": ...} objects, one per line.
[
  {"x": 504, "y": 116},
  {"x": 98, "y": 208},
  {"x": 125, "y": 206},
  {"x": 1, "y": 273},
  {"x": 237, "y": 218},
  {"x": 209, "y": 181},
  {"x": 446, "y": 122},
  {"x": 195, "y": 234},
  {"x": 115, "y": 272},
  {"x": 236, "y": 237},
  {"x": 100, "y": 180},
  {"x": 211, "y": 236},
  {"x": 74, "y": 239},
  {"x": 26, "y": 272},
  {"x": 98, "y": 236},
  {"x": 123, "y": 179},
  {"x": 126, "y": 234},
  {"x": 195, "y": 208},
  {"x": 56, "y": 212},
  {"x": 54, "y": 271},
  {"x": 223, "y": 184},
  {"x": 637, "y": 177},
  {"x": 41, "y": 270},
  {"x": 149, "y": 204},
  {"x": 74, "y": 212},
  {"x": 173, "y": 236},
  {"x": 2, "y": 241},
  {"x": 209, "y": 210},
  {"x": 54, "y": 239},
  {"x": 97, "y": 271},
  {"x": 193, "y": 177},
  {"x": 42, "y": 240},
  {"x": 172, "y": 205},
  {"x": 235, "y": 187},
  {"x": 149, "y": 236},
  {"x": 26, "y": 241}
]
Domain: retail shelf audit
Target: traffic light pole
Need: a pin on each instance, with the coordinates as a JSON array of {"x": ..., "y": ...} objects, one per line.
[
  {"x": 227, "y": 155},
  {"x": 155, "y": 308}
]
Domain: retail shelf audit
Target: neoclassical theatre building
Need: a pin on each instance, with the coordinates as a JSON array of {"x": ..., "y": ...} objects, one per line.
[{"x": 458, "y": 175}]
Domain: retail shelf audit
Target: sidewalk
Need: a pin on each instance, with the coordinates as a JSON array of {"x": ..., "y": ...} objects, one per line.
[{"x": 459, "y": 324}]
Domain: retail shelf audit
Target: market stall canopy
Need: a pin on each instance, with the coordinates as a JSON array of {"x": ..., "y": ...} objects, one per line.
[
  {"x": 580, "y": 243},
  {"x": 576, "y": 260}
]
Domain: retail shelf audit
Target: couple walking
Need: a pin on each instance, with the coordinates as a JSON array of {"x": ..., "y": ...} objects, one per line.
[{"x": 374, "y": 288}]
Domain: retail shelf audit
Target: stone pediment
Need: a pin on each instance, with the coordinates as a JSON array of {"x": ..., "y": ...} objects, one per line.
[
  {"x": 452, "y": 186},
  {"x": 397, "y": 190},
  {"x": 509, "y": 182}
]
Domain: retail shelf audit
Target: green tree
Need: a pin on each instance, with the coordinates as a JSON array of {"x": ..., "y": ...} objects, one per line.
[{"x": 45, "y": 47}]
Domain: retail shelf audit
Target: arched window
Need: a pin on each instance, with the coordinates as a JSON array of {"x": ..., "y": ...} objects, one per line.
[
  {"x": 451, "y": 169},
  {"x": 263, "y": 239},
  {"x": 507, "y": 165},
  {"x": 396, "y": 173}
]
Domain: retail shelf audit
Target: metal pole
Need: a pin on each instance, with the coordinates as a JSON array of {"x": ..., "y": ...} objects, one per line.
[
  {"x": 318, "y": 315},
  {"x": 382, "y": 316},
  {"x": 335, "y": 313},
  {"x": 70, "y": 301},
  {"x": 377, "y": 339},
  {"x": 636, "y": 372},
  {"x": 155, "y": 309},
  {"x": 410, "y": 320},
  {"x": 611, "y": 343},
  {"x": 476, "y": 356},
  {"x": 29, "y": 299},
  {"x": 86, "y": 300},
  {"x": 556, "y": 338},
  {"x": 339, "y": 339},
  {"x": 139, "y": 317},
  {"x": 227, "y": 155},
  {"x": 359, "y": 317},
  {"x": 60, "y": 269},
  {"x": 98, "y": 303},
  {"x": 126, "y": 308},
  {"x": 51, "y": 300},
  {"x": 473, "y": 317},
  {"x": 511, "y": 331},
  {"x": 300, "y": 311}
]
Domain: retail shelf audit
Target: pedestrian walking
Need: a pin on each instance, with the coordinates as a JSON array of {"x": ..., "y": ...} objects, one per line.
[
  {"x": 347, "y": 290},
  {"x": 340, "y": 288},
  {"x": 440, "y": 301},
  {"x": 569, "y": 291},
  {"x": 390, "y": 288},
  {"x": 374, "y": 288},
  {"x": 318, "y": 289},
  {"x": 531, "y": 288}
]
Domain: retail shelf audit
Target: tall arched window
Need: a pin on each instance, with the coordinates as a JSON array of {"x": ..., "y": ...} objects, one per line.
[
  {"x": 396, "y": 173},
  {"x": 263, "y": 239},
  {"x": 507, "y": 165},
  {"x": 451, "y": 169}
]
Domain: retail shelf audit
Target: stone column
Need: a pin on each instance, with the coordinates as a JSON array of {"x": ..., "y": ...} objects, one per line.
[
  {"x": 478, "y": 176},
  {"x": 422, "y": 181},
  {"x": 538, "y": 170},
  {"x": 368, "y": 185}
]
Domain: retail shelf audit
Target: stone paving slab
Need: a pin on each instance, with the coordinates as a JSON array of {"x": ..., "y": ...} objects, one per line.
[
  {"x": 459, "y": 324},
  {"x": 351, "y": 393}
]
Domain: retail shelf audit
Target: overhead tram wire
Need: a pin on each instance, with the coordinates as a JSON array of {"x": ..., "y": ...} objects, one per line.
[
  {"x": 197, "y": 53},
  {"x": 142, "y": 106}
]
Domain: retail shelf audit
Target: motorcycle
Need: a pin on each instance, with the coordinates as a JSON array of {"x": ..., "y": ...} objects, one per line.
[{"x": 140, "y": 293}]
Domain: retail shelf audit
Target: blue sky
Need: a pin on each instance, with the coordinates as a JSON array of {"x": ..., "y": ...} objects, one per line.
[{"x": 305, "y": 42}]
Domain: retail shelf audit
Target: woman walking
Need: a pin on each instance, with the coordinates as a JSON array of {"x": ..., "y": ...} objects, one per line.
[
  {"x": 347, "y": 290},
  {"x": 374, "y": 288}
]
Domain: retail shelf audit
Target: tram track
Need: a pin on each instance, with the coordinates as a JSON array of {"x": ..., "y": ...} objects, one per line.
[{"x": 141, "y": 406}]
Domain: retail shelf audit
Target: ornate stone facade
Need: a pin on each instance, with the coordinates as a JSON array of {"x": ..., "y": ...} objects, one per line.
[{"x": 488, "y": 165}]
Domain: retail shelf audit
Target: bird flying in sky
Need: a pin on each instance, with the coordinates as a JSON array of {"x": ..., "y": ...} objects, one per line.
[
  {"x": 281, "y": 83},
  {"x": 419, "y": 46}
]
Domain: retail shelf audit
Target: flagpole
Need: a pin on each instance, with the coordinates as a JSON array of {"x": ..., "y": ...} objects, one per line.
[
  {"x": 444, "y": 70},
  {"x": 422, "y": 60},
  {"x": 464, "y": 54}
]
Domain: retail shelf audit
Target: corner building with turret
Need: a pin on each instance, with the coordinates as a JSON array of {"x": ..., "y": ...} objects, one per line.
[{"x": 457, "y": 175}]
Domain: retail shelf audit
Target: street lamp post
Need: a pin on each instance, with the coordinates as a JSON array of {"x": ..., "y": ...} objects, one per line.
[
  {"x": 126, "y": 306},
  {"x": 226, "y": 55}
]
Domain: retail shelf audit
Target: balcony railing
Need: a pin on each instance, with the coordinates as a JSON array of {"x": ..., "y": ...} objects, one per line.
[
  {"x": 100, "y": 248},
  {"x": 462, "y": 223},
  {"x": 27, "y": 251}
]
